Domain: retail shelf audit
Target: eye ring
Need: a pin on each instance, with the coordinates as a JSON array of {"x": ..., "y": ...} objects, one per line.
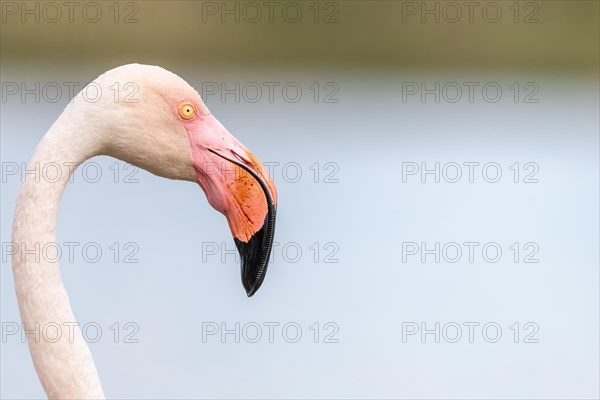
[{"x": 187, "y": 110}]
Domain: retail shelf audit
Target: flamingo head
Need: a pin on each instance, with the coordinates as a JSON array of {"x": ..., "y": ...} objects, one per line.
[{"x": 174, "y": 135}]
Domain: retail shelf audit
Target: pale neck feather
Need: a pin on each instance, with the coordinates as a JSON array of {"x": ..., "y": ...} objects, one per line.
[{"x": 65, "y": 368}]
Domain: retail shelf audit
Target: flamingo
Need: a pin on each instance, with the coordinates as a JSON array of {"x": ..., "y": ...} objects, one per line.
[{"x": 166, "y": 129}]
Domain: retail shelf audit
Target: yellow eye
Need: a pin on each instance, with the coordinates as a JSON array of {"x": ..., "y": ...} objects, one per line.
[{"x": 187, "y": 110}]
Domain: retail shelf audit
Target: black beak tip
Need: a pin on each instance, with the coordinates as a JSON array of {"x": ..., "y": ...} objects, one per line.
[
  {"x": 250, "y": 290},
  {"x": 255, "y": 259},
  {"x": 251, "y": 278}
]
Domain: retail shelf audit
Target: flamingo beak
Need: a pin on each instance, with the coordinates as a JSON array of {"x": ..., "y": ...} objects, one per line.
[{"x": 238, "y": 185}]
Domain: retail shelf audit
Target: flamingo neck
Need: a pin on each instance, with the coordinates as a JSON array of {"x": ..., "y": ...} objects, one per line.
[{"x": 65, "y": 367}]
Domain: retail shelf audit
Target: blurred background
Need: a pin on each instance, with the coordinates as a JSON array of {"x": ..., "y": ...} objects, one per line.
[
  {"x": 549, "y": 36},
  {"x": 400, "y": 134}
]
